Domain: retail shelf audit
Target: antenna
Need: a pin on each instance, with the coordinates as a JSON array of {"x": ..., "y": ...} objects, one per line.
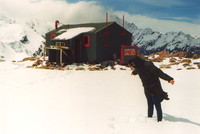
[
  {"x": 107, "y": 23},
  {"x": 123, "y": 32},
  {"x": 106, "y": 33}
]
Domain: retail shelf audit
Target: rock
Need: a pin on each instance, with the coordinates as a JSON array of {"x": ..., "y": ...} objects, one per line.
[
  {"x": 189, "y": 68},
  {"x": 174, "y": 63},
  {"x": 80, "y": 68},
  {"x": 195, "y": 56},
  {"x": 198, "y": 65},
  {"x": 172, "y": 60},
  {"x": 195, "y": 63},
  {"x": 163, "y": 54},
  {"x": 186, "y": 64},
  {"x": 159, "y": 56},
  {"x": 158, "y": 59},
  {"x": 180, "y": 54},
  {"x": 94, "y": 69},
  {"x": 107, "y": 63},
  {"x": 165, "y": 66},
  {"x": 186, "y": 61},
  {"x": 30, "y": 59}
]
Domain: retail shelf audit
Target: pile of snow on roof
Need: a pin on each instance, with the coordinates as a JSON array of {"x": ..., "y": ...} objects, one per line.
[{"x": 71, "y": 33}]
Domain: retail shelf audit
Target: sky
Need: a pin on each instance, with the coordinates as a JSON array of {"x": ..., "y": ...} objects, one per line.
[
  {"x": 160, "y": 15},
  {"x": 179, "y": 10}
]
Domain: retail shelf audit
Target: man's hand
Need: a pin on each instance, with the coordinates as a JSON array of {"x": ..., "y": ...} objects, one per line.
[{"x": 172, "y": 82}]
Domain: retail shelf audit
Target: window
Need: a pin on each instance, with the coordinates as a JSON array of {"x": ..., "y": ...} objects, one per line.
[
  {"x": 86, "y": 41},
  {"x": 60, "y": 43}
]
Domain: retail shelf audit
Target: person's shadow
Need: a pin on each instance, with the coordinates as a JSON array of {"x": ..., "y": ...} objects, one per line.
[{"x": 178, "y": 119}]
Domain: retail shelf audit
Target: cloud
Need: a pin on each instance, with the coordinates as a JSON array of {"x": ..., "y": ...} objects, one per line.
[
  {"x": 183, "y": 19},
  {"x": 160, "y": 25},
  {"x": 197, "y": 21},
  {"x": 162, "y": 3},
  {"x": 52, "y": 10},
  {"x": 84, "y": 12}
]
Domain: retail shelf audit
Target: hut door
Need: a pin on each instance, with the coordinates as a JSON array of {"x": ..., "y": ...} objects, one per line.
[{"x": 78, "y": 51}]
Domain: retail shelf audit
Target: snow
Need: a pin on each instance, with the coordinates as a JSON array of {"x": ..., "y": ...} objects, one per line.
[
  {"x": 39, "y": 101},
  {"x": 7, "y": 53},
  {"x": 10, "y": 32},
  {"x": 197, "y": 36},
  {"x": 70, "y": 33},
  {"x": 12, "y": 35},
  {"x": 150, "y": 41}
]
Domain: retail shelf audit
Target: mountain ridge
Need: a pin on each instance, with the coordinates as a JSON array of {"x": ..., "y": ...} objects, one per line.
[
  {"x": 28, "y": 37},
  {"x": 150, "y": 41}
]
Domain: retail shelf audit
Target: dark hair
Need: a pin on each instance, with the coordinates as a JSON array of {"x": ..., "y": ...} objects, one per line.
[{"x": 137, "y": 61}]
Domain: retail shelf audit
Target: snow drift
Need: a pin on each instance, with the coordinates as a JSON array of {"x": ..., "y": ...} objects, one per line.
[{"x": 38, "y": 101}]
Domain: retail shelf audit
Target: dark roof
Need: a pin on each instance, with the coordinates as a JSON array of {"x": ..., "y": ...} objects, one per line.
[{"x": 98, "y": 26}]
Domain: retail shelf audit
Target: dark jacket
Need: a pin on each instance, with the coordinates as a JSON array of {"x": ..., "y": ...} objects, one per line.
[{"x": 149, "y": 75}]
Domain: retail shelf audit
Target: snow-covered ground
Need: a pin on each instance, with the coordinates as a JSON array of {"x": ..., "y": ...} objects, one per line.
[{"x": 38, "y": 101}]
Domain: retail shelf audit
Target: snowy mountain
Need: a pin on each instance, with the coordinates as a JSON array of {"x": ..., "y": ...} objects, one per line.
[
  {"x": 197, "y": 36},
  {"x": 22, "y": 38},
  {"x": 150, "y": 41}
]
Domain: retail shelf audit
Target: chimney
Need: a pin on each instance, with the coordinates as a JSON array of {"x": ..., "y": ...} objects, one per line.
[{"x": 56, "y": 24}]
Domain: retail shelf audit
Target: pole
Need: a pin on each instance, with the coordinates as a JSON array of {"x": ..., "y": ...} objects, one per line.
[
  {"x": 123, "y": 32},
  {"x": 44, "y": 51},
  {"x": 60, "y": 55}
]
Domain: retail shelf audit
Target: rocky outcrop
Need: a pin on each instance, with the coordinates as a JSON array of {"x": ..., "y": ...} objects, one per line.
[{"x": 179, "y": 58}]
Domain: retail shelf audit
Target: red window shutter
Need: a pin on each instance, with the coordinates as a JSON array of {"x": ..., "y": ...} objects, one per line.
[{"x": 87, "y": 41}]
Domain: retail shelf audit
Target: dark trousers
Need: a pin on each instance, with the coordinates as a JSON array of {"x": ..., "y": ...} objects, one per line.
[{"x": 151, "y": 101}]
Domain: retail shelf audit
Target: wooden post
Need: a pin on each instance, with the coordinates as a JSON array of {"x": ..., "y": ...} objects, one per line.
[
  {"x": 60, "y": 55},
  {"x": 44, "y": 53}
]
